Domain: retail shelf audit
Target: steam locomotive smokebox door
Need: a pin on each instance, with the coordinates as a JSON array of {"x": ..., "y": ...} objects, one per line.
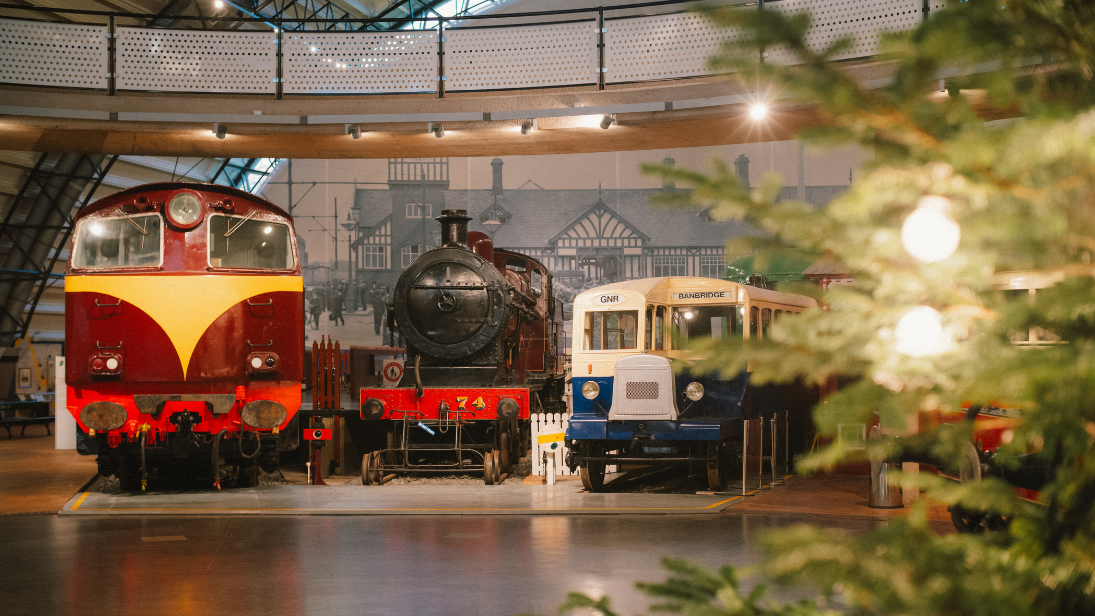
[
  {"x": 391, "y": 370},
  {"x": 450, "y": 303}
]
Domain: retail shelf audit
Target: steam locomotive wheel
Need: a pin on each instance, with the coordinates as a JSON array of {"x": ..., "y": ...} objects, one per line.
[
  {"x": 504, "y": 450},
  {"x": 368, "y": 474},
  {"x": 488, "y": 468}
]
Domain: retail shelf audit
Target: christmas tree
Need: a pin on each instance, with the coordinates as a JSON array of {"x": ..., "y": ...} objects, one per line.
[{"x": 950, "y": 203}]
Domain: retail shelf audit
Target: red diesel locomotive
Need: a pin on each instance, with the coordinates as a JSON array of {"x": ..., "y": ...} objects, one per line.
[
  {"x": 481, "y": 329},
  {"x": 184, "y": 333}
]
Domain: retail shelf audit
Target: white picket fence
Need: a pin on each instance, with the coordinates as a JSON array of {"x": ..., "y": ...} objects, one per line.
[{"x": 549, "y": 423}]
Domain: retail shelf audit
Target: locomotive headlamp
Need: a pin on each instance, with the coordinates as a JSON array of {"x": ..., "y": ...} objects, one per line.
[
  {"x": 372, "y": 409},
  {"x": 590, "y": 390},
  {"x": 694, "y": 391},
  {"x": 184, "y": 210}
]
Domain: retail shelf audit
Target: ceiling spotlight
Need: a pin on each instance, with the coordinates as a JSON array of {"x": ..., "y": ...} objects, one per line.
[
  {"x": 353, "y": 130},
  {"x": 608, "y": 120},
  {"x": 220, "y": 130},
  {"x": 219, "y": 4},
  {"x": 527, "y": 126},
  {"x": 758, "y": 111},
  {"x": 437, "y": 130}
]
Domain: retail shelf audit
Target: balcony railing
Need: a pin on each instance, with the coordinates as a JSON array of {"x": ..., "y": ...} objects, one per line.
[{"x": 495, "y": 52}]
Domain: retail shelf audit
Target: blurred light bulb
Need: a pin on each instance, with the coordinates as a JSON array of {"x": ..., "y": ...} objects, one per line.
[
  {"x": 218, "y": 4},
  {"x": 758, "y": 111},
  {"x": 929, "y": 234},
  {"x": 920, "y": 333}
]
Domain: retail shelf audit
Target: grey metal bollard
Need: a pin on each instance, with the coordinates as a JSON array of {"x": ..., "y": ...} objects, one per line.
[{"x": 883, "y": 495}]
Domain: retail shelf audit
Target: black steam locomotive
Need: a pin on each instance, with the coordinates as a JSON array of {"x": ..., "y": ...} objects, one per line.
[{"x": 482, "y": 332}]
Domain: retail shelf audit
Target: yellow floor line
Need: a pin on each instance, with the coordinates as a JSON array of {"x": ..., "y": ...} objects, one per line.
[
  {"x": 118, "y": 509},
  {"x": 80, "y": 501}
]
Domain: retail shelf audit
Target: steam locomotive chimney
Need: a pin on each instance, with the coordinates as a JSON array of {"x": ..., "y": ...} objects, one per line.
[{"x": 454, "y": 228}]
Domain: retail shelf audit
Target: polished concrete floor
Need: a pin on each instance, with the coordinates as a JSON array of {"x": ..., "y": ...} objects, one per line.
[
  {"x": 349, "y": 499},
  {"x": 337, "y": 565}
]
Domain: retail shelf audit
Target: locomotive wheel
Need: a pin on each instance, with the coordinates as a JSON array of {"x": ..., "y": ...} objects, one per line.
[
  {"x": 488, "y": 468},
  {"x": 129, "y": 475},
  {"x": 497, "y": 467},
  {"x": 377, "y": 467},
  {"x": 249, "y": 476},
  {"x": 504, "y": 451},
  {"x": 367, "y": 469},
  {"x": 718, "y": 471},
  {"x": 592, "y": 472}
]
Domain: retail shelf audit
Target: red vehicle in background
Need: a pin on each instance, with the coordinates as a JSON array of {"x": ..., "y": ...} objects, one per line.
[{"x": 184, "y": 333}]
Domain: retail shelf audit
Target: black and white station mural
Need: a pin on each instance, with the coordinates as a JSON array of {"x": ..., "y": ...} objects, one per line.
[{"x": 588, "y": 217}]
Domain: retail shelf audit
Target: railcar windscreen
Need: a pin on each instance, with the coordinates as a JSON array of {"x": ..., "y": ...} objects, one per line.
[
  {"x": 610, "y": 330},
  {"x": 707, "y": 322},
  {"x": 124, "y": 241},
  {"x": 247, "y": 243}
]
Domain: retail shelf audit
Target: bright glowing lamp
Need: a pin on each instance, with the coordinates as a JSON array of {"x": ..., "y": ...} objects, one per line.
[
  {"x": 929, "y": 234},
  {"x": 920, "y": 333},
  {"x": 758, "y": 111}
]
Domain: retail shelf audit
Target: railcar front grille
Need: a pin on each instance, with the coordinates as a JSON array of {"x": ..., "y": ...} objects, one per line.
[{"x": 642, "y": 390}]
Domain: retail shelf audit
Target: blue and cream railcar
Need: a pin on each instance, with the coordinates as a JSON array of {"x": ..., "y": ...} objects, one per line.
[{"x": 629, "y": 406}]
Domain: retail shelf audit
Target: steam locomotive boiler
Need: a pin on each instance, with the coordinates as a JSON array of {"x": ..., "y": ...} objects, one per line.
[
  {"x": 482, "y": 332},
  {"x": 184, "y": 333}
]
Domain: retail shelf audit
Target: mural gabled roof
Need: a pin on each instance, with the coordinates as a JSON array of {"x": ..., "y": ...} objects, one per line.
[
  {"x": 599, "y": 221},
  {"x": 540, "y": 215}
]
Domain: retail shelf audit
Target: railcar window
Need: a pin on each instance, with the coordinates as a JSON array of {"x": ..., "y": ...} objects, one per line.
[
  {"x": 754, "y": 321},
  {"x": 659, "y": 329},
  {"x": 515, "y": 264},
  {"x": 610, "y": 330},
  {"x": 707, "y": 322},
  {"x": 765, "y": 320},
  {"x": 126, "y": 241},
  {"x": 240, "y": 242},
  {"x": 649, "y": 340}
]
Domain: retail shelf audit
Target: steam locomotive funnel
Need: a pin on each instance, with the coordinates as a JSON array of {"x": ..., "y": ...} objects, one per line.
[{"x": 454, "y": 228}]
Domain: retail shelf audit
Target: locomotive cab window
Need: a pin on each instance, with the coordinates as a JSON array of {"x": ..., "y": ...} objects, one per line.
[
  {"x": 706, "y": 322},
  {"x": 125, "y": 241},
  {"x": 610, "y": 330},
  {"x": 537, "y": 282},
  {"x": 247, "y": 243}
]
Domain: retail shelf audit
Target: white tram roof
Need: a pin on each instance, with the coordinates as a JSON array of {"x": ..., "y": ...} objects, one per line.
[{"x": 658, "y": 289}]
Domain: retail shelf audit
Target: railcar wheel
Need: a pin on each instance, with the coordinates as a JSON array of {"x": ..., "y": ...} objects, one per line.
[
  {"x": 488, "y": 468},
  {"x": 367, "y": 469},
  {"x": 718, "y": 471},
  {"x": 592, "y": 472}
]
